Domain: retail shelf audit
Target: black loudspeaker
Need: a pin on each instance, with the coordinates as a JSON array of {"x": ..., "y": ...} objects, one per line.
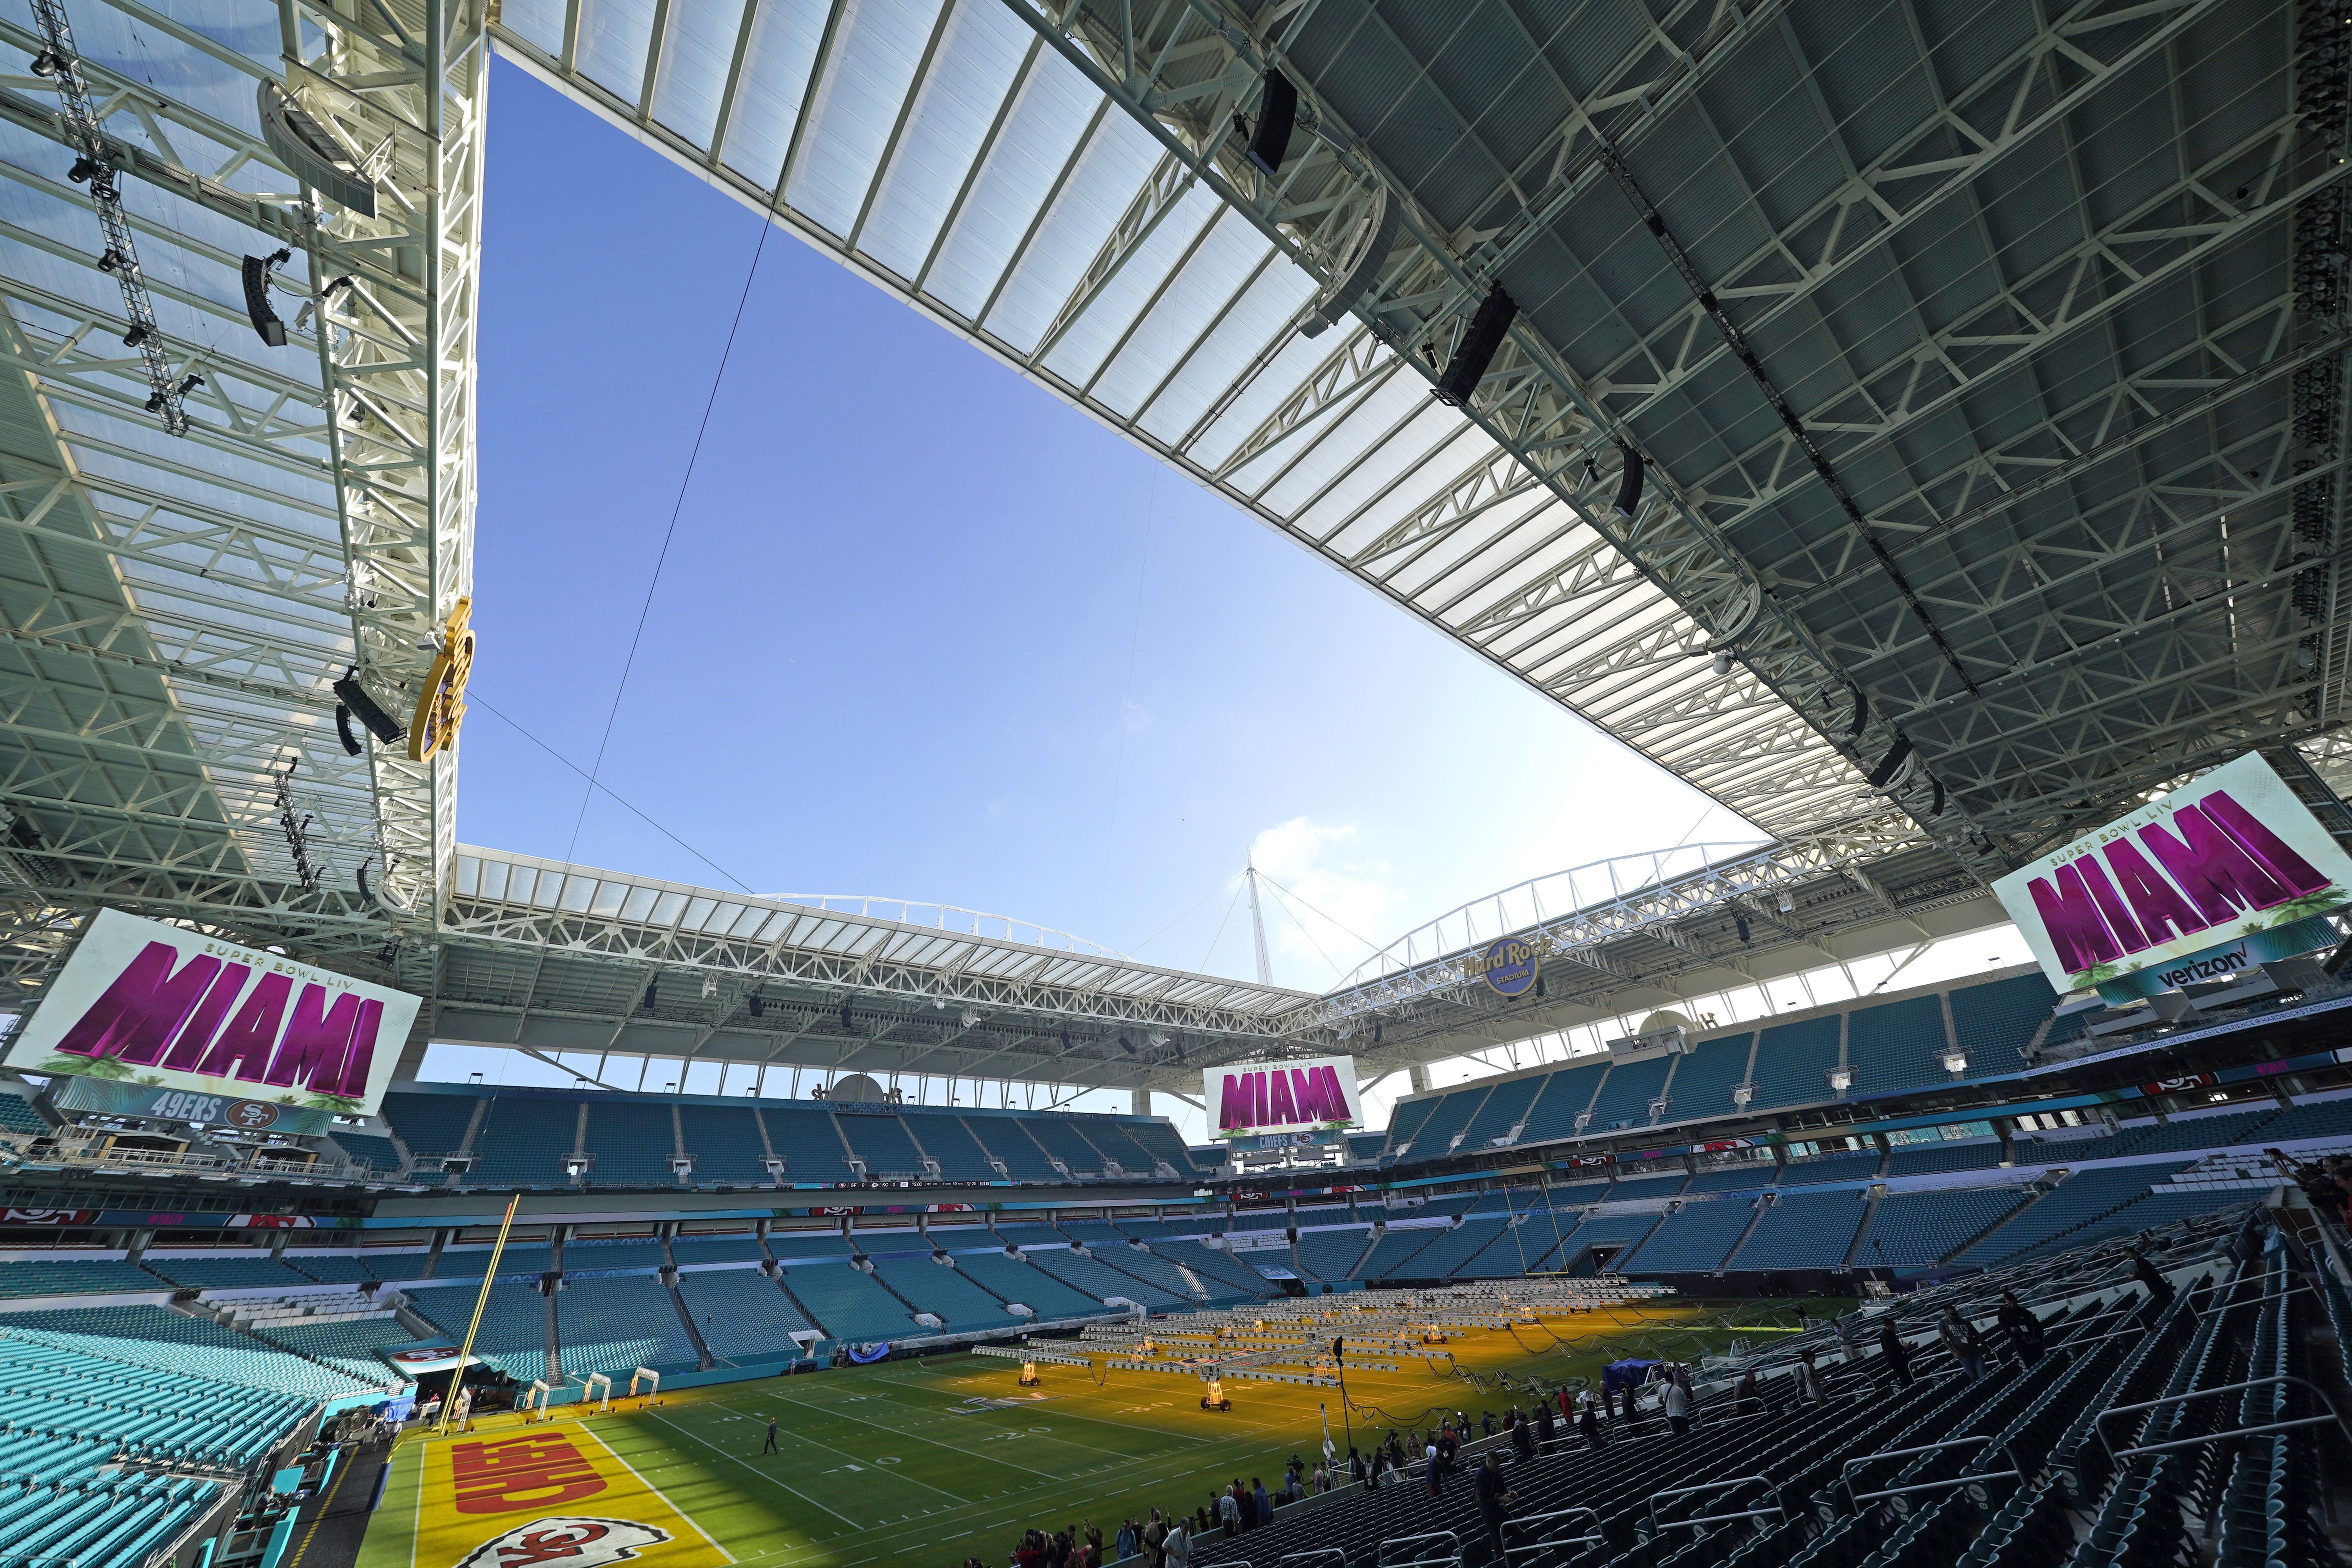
[
  {"x": 1477, "y": 351},
  {"x": 343, "y": 730},
  {"x": 1277, "y": 111},
  {"x": 353, "y": 696},
  {"x": 1892, "y": 760},
  {"x": 1860, "y": 713},
  {"x": 1629, "y": 482},
  {"x": 1937, "y": 809},
  {"x": 257, "y": 300},
  {"x": 1740, "y": 923}
]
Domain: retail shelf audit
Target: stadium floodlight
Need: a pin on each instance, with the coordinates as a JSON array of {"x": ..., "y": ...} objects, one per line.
[
  {"x": 1955, "y": 1062},
  {"x": 110, "y": 260},
  {"x": 1723, "y": 660},
  {"x": 1788, "y": 903},
  {"x": 969, "y": 1016},
  {"x": 1840, "y": 1079}
]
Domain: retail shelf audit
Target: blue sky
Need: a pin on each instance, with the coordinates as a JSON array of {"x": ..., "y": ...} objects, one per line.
[{"x": 926, "y": 631}]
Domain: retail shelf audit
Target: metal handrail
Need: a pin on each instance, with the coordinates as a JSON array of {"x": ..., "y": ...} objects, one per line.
[
  {"x": 1384, "y": 1561},
  {"x": 2098, "y": 1422},
  {"x": 1312, "y": 1554},
  {"x": 1855, "y": 1499},
  {"x": 1510, "y": 1553},
  {"x": 1765, "y": 1481}
]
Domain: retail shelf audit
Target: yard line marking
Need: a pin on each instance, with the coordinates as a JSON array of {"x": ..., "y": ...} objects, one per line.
[
  {"x": 950, "y": 1448},
  {"x": 753, "y": 1468},
  {"x": 681, "y": 1513},
  {"x": 847, "y": 1463},
  {"x": 1066, "y": 1410}
]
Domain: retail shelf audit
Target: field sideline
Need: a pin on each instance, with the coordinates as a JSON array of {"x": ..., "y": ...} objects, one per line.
[{"x": 933, "y": 1460}]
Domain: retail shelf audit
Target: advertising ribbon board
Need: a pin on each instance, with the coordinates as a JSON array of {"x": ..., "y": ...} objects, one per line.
[
  {"x": 165, "y": 1008},
  {"x": 1313, "y": 1094},
  {"x": 111, "y": 1097},
  {"x": 2231, "y": 861}
]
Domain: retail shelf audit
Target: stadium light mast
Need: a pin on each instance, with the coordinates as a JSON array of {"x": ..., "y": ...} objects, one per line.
[{"x": 1257, "y": 920}]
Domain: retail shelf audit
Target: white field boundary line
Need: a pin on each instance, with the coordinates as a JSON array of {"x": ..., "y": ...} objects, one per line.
[{"x": 667, "y": 1500}]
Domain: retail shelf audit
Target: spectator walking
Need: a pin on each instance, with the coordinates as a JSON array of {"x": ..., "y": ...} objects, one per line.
[
  {"x": 1747, "y": 1399},
  {"x": 1155, "y": 1541},
  {"x": 1810, "y": 1388},
  {"x": 1588, "y": 1421},
  {"x": 1898, "y": 1353},
  {"x": 1677, "y": 1407},
  {"x": 1960, "y": 1338},
  {"x": 1430, "y": 1462},
  {"x": 1546, "y": 1427},
  {"x": 1229, "y": 1511},
  {"x": 1258, "y": 1496},
  {"x": 1494, "y": 1500},
  {"x": 1176, "y": 1551},
  {"x": 1523, "y": 1439},
  {"x": 2159, "y": 1289},
  {"x": 2021, "y": 1328}
]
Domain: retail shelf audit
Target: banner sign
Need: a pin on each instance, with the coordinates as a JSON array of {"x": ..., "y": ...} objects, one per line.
[
  {"x": 173, "y": 1009},
  {"x": 1313, "y": 1094},
  {"x": 2231, "y": 856},
  {"x": 417, "y": 1360},
  {"x": 111, "y": 1097},
  {"x": 48, "y": 1217},
  {"x": 2231, "y": 960}
]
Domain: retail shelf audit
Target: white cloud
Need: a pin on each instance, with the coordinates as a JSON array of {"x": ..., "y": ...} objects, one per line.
[{"x": 1329, "y": 903}]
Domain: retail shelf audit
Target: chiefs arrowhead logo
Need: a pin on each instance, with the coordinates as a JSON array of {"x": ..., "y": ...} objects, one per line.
[{"x": 573, "y": 1543}]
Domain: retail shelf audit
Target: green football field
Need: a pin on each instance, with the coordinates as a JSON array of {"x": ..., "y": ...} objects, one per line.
[{"x": 938, "y": 1459}]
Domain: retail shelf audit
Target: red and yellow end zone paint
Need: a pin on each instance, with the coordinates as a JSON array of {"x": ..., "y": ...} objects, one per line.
[{"x": 548, "y": 1496}]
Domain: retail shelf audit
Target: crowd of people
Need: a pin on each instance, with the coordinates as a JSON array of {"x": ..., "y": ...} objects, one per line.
[{"x": 2327, "y": 1181}]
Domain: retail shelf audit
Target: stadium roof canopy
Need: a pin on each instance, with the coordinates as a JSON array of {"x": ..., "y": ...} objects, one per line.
[{"x": 1982, "y": 366}]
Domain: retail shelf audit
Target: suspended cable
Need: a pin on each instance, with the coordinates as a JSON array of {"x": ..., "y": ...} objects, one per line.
[
  {"x": 1230, "y": 905},
  {"x": 1309, "y": 935},
  {"x": 474, "y": 694},
  {"x": 1188, "y": 914},
  {"x": 767, "y": 223},
  {"x": 1272, "y": 883}
]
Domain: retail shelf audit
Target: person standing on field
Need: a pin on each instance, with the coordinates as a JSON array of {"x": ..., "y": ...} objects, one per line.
[{"x": 771, "y": 1436}]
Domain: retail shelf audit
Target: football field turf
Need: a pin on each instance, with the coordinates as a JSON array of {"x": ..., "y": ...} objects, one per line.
[{"x": 926, "y": 1460}]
